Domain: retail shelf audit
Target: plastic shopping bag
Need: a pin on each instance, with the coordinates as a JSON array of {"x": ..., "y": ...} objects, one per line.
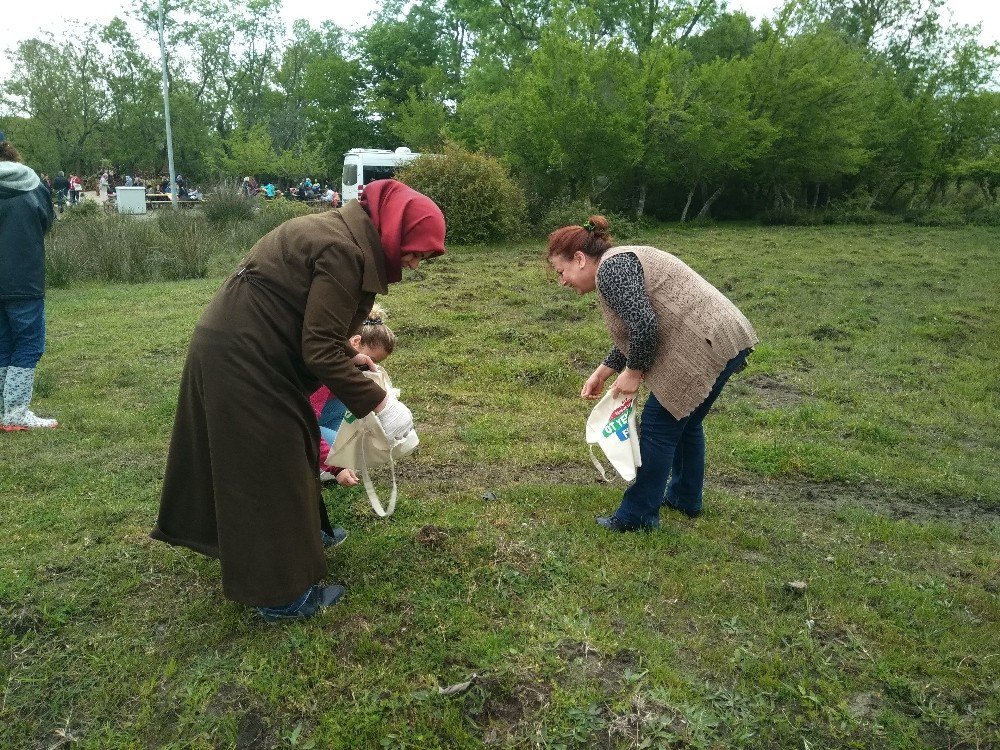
[
  {"x": 362, "y": 443},
  {"x": 611, "y": 426}
]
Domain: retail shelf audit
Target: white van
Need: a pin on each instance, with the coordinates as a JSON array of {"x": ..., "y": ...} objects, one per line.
[{"x": 363, "y": 165}]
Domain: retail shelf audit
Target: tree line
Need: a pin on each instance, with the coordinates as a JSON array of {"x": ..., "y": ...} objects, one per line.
[{"x": 669, "y": 108}]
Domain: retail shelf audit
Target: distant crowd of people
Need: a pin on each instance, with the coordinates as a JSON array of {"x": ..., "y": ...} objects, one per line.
[
  {"x": 305, "y": 190},
  {"x": 70, "y": 189}
]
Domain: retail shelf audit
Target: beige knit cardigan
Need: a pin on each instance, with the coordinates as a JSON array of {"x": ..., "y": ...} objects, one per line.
[{"x": 700, "y": 330}]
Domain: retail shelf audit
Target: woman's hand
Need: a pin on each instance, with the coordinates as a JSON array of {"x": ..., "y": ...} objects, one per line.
[
  {"x": 594, "y": 386},
  {"x": 363, "y": 360},
  {"x": 346, "y": 478},
  {"x": 626, "y": 384}
]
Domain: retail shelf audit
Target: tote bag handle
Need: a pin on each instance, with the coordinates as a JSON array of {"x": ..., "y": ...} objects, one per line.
[
  {"x": 597, "y": 464},
  {"x": 366, "y": 477}
]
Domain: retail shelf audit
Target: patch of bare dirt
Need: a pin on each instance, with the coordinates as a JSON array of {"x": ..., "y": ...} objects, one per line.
[
  {"x": 585, "y": 662},
  {"x": 833, "y": 496},
  {"x": 774, "y": 391},
  {"x": 431, "y": 535},
  {"x": 501, "y": 708},
  {"x": 491, "y": 476},
  {"x": 252, "y": 730}
]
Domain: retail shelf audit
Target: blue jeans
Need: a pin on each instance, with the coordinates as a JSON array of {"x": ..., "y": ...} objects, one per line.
[
  {"x": 330, "y": 418},
  {"x": 22, "y": 333},
  {"x": 671, "y": 449}
]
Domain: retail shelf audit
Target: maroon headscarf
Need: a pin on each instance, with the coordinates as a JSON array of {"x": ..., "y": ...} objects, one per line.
[{"x": 406, "y": 221}]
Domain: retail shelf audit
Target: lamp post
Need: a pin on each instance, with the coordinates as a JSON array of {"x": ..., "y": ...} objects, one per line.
[{"x": 166, "y": 112}]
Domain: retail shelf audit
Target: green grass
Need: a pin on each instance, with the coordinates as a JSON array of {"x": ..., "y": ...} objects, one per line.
[{"x": 858, "y": 453}]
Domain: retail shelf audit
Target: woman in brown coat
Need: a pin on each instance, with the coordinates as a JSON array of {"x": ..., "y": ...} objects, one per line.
[{"x": 241, "y": 482}]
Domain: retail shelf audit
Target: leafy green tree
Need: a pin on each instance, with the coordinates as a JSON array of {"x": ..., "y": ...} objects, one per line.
[
  {"x": 422, "y": 121},
  {"x": 570, "y": 121},
  {"x": 197, "y": 145},
  {"x": 718, "y": 135},
  {"x": 895, "y": 26},
  {"x": 248, "y": 152},
  {"x": 288, "y": 116},
  {"x": 410, "y": 70},
  {"x": 968, "y": 107},
  {"x": 60, "y": 87},
  {"x": 903, "y": 140},
  {"x": 134, "y": 130},
  {"x": 294, "y": 164},
  {"x": 814, "y": 89},
  {"x": 649, "y": 23},
  {"x": 334, "y": 110},
  {"x": 504, "y": 30},
  {"x": 226, "y": 50},
  {"x": 665, "y": 73},
  {"x": 729, "y": 35}
]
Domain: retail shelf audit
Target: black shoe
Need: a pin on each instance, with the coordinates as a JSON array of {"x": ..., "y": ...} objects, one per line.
[
  {"x": 335, "y": 539},
  {"x": 317, "y": 598},
  {"x": 611, "y": 523}
]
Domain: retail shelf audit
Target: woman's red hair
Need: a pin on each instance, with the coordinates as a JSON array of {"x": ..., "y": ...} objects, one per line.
[{"x": 591, "y": 239}]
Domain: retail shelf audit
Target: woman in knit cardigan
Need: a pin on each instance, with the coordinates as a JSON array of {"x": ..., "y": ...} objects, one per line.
[{"x": 671, "y": 330}]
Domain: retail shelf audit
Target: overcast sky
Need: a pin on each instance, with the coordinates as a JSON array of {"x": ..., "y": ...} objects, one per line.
[{"x": 22, "y": 20}]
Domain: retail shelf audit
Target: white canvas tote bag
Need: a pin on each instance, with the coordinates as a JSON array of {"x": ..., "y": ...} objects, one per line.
[
  {"x": 611, "y": 425},
  {"x": 362, "y": 443}
]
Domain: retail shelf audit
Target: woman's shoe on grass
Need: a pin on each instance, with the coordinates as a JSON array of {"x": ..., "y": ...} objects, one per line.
[
  {"x": 18, "y": 387},
  {"x": 335, "y": 539},
  {"x": 612, "y": 523},
  {"x": 312, "y": 601}
]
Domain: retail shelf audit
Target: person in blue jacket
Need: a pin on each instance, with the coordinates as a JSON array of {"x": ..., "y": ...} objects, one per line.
[{"x": 25, "y": 216}]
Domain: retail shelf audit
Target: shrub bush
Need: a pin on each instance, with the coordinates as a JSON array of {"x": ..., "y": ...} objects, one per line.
[
  {"x": 859, "y": 215},
  {"x": 940, "y": 215},
  {"x": 564, "y": 212},
  {"x": 279, "y": 210},
  {"x": 60, "y": 261},
  {"x": 985, "y": 215},
  {"x": 225, "y": 204},
  {"x": 82, "y": 210},
  {"x": 119, "y": 248},
  {"x": 129, "y": 249},
  {"x": 187, "y": 245},
  {"x": 854, "y": 209},
  {"x": 480, "y": 200}
]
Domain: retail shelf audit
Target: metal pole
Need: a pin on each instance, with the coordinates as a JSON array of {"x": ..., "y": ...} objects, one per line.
[{"x": 166, "y": 114}]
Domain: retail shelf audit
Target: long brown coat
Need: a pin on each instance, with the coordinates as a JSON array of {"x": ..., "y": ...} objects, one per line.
[{"x": 241, "y": 482}]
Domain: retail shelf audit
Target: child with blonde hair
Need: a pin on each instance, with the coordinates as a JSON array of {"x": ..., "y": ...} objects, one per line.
[{"x": 376, "y": 341}]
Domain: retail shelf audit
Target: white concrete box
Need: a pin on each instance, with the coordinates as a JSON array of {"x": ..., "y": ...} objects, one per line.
[{"x": 130, "y": 200}]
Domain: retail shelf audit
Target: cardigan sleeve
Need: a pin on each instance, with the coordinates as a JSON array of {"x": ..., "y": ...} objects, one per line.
[
  {"x": 615, "y": 360},
  {"x": 621, "y": 282}
]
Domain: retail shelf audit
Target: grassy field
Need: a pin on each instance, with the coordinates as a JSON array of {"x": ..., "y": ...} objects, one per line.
[{"x": 858, "y": 453}]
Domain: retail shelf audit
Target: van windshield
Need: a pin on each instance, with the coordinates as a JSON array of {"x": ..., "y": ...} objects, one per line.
[
  {"x": 350, "y": 176},
  {"x": 371, "y": 173}
]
